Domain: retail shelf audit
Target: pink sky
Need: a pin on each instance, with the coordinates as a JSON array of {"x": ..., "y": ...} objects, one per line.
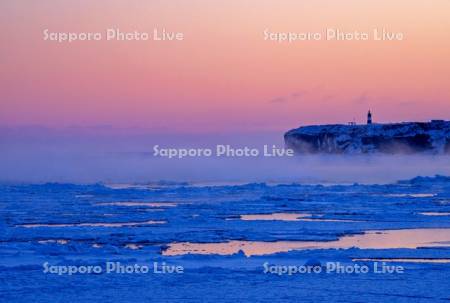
[{"x": 223, "y": 76}]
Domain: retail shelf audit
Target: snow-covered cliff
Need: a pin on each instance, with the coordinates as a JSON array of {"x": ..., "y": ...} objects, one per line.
[{"x": 408, "y": 137}]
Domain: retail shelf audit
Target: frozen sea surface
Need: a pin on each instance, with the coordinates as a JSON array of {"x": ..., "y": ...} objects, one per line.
[{"x": 403, "y": 224}]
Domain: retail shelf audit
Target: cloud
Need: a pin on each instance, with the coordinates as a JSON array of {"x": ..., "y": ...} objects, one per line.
[
  {"x": 327, "y": 98},
  {"x": 278, "y": 100},
  {"x": 298, "y": 94},
  {"x": 364, "y": 98},
  {"x": 407, "y": 103},
  {"x": 291, "y": 97}
]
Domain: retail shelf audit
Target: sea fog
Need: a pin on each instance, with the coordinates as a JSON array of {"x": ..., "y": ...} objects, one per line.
[{"x": 107, "y": 155}]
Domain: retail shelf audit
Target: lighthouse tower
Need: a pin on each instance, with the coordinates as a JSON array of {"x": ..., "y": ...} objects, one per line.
[{"x": 369, "y": 118}]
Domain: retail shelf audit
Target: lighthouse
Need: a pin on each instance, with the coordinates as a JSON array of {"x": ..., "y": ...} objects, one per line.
[{"x": 369, "y": 118}]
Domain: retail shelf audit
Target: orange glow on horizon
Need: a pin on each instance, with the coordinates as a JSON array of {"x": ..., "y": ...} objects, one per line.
[{"x": 224, "y": 75}]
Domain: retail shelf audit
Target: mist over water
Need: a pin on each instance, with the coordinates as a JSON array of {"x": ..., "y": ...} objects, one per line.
[{"x": 42, "y": 155}]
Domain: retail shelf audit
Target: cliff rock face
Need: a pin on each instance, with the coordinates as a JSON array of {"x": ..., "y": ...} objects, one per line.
[{"x": 408, "y": 137}]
